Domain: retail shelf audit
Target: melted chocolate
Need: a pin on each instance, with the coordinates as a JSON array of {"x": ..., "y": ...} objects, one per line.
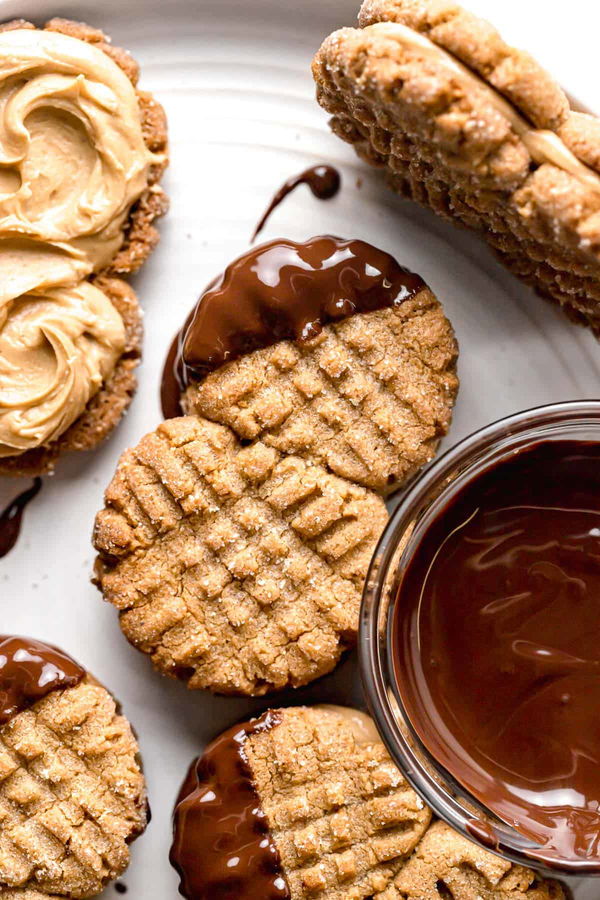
[
  {"x": 497, "y": 644},
  {"x": 222, "y": 847},
  {"x": 29, "y": 670},
  {"x": 323, "y": 181},
  {"x": 12, "y": 517}
]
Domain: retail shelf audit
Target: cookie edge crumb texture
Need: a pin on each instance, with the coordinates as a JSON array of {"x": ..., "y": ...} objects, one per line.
[{"x": 556, "y": 263}]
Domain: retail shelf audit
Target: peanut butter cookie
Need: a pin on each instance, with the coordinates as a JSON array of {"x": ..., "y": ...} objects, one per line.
[
  {"x": 322, "y": 812},
  {"x": 444, "y": 864},
  {"x": 367, "y": 385},
  {"x": 72, "y": 794},
  {"x": 234, "y": 567},
  {"x": 69, "y": 328},
  {"x": 478, "y": 131}
]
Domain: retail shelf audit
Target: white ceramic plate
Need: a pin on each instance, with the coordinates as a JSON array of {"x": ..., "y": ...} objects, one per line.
[{"x": 234, "y": 78}]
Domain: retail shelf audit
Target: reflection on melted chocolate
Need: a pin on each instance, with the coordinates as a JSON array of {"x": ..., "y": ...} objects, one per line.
[
  {"x": 29, "y": 670},
  {"x": 323, "y": 181},
  {"x": 12, "y": 517},
  {"x": 278, "y": 291},
  {"x": 497, "y": 644},
  {"x": 222, "y": 847}
]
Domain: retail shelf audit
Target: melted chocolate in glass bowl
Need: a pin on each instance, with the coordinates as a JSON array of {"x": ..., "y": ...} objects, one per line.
[
  {"x": 497, "y": 644},
  {"x": 222, "y": 847},
  {"x": 281, "y": 290},
  {"x": 29, "y": 670}
]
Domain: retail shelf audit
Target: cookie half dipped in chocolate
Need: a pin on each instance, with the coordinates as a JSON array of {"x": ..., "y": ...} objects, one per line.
[
  {"x": 82, "y": 151},
  {"x": 72, "y": 793},
  {"x": 236, "y": 568},
  {"x": 475, "y": 129},
  {"x": 328, "y": 350},
  {"x": 305, "y": 803}
]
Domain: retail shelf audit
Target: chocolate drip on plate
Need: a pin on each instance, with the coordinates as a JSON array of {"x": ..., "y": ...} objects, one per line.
[
  {"x": 497, "y": 644},
  {"x": 323, "y": 181},
  {"x": 29, "y": 671},
  {"x": 12, "y": 517},
  {"x": 222, "y": 847}
]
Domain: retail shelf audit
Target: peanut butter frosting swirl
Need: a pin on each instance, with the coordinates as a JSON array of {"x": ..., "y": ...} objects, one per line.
[
  {"x": 72, "y": 162},
  {"x": 57, "y": 348}
]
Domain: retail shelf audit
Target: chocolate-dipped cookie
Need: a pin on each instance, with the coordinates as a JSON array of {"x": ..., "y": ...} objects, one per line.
[
  {"x": 236, "y": 568},
  {"x": 84, "y": 149},
  {"x": 72, "y": 794},
  {"x": 305, "y": 803},
  {"x": 469, "y": 126},
  {"x": 327, "y": 349}
]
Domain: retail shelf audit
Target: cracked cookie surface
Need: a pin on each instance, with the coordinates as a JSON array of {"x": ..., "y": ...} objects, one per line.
[
  {"x": 235, "y": 568},
  {"x": 369, "y": 398},
  {"x": 443, "y": 142},
  {"x": 72, "y": 796},
  {"x": 445, "y": 865}
]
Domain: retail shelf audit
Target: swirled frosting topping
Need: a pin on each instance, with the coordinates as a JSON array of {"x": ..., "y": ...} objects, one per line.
[
  {"x": 56, "y": 351},
  {"x": 72, "y": 159},
  {"x": 72, "y": 162}
]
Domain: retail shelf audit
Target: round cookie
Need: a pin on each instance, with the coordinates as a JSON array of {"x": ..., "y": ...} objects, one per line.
[
  {"x": 369, "y": 397},
  {"x": 235, "y": 568},
  {"x": 397, "y": 93},
  {"x": 139, "y": 236},
  {"x": 321, "y": 811},
  {"x": 72, "y": 793}
]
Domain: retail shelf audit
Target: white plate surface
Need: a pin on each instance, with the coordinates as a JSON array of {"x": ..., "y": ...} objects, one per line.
[{"x": 234, "y": 78}]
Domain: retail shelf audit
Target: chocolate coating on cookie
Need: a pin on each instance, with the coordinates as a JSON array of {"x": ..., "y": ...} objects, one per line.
[
  {"x": 285, "y": 290},
  {"x": 29, "y": 670},
  {"x": 222, "y": 846}
]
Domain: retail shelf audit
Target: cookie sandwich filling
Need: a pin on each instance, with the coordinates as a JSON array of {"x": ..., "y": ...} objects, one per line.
[
  {"x": 543, "y": 145},
  {"x": 72, "y": 162}
]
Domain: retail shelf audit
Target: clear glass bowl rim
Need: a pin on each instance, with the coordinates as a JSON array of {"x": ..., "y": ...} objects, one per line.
[{"x": 447, "y": 800}]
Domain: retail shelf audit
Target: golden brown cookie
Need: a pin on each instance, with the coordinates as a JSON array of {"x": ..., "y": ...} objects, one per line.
[
  {"x": 322, "y": 812},
  {"x": 369, "y": 397},
  {"x": 235, "y": 568},
  {"x": 105, "y": 408},
  {"x": 72, "y": 793},
  {"x": 444, "y": 865},
  {"x": 478, "y": 131}
]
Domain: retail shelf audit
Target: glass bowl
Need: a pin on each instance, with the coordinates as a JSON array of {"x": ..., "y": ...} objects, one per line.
[{"x": 577, "y": 420}]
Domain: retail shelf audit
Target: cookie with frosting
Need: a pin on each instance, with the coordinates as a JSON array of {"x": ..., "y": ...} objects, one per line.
[
  {"x": 235, "y": 568},
  {"x": 467, "y": 125},
  {"x": 305, "y": 803},
  {"x": 72, "y": 793},
  {"x": 82, "y": 150}
]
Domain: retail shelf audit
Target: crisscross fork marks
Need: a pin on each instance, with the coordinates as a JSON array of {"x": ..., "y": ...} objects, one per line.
[
  {"x": 233, "y": 566},
  {"x": 71, "y": 794},
  {"x": 341, "y": 814},
  {"x": 369, "y": 398}
]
